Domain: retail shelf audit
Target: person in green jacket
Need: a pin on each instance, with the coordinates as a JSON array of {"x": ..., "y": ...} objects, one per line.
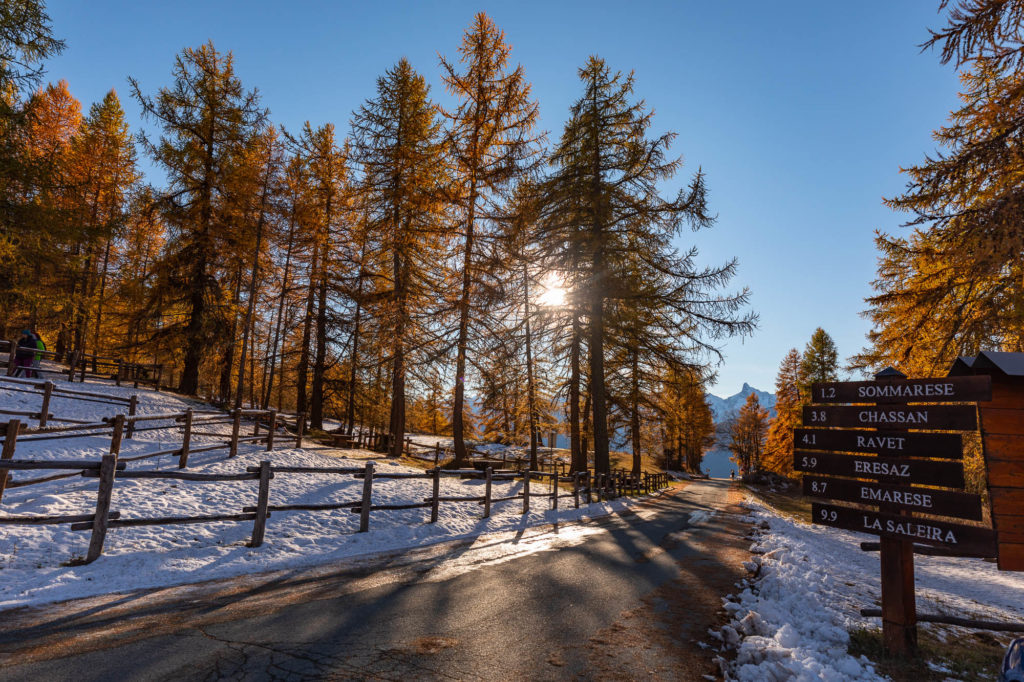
[{"x": 39, "y": 356}]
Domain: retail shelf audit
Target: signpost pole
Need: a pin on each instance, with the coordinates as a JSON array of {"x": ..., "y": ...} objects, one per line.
[{"x": 899, "y": 608}]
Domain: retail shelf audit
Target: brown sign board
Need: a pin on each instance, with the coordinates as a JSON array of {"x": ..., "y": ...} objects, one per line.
[
  {"x": 944, "y": 445},
  {"x": 924, "y": 500},
  {"x": 890, "y": 469},
  {"x": 924, "y": 417},
  {"x": 965, "y": 389},
  {"x": 970, "y": 540}
]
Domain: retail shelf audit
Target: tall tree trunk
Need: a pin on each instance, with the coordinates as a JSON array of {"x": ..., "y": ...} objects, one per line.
[
  {"x": 228, "y": 359},
  {"x": 458, "y": 425},
  {"x": 578, "y": 453},
  {"x": 634, "y": 408},
  {"x": 103, "y": 293},
  {"x": 397, "y": 423},
  {"x": 316, "y": 406},
  {"x": 350, "y": 409},
  {"x": 531, "y": 395},
  {"x": 302, "y": 372},
  {"x": 602, "y": 462},
  {"x": 280, "y": 316},
  {"x": 251, "y": 307}
]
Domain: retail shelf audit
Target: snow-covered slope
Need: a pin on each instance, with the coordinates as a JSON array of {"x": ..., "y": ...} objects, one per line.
[
  {"x": 792, "y": 620},
  {"x": 723, "y": 408}
]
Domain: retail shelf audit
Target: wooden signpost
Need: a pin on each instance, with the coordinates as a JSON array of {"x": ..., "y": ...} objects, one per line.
[{"x": 886, "y": 439}]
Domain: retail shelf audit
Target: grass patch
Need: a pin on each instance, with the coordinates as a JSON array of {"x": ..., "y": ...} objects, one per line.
[
  {"x": 793, "y": 504},
  {"x": 944, "y": 654}
]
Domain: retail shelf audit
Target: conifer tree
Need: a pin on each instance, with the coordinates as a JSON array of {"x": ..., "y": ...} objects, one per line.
[
  {"x": 689, "y": 423},
  {"x": 788, "y": 403},
  {"x": 747, "y": 435},
  {"x": 606, "y": 178},
  {"x": 955, "y": 285},
  {"x": 491, "y": 142},
  {"x": 106, "y": 173},
  {"x": 327, "y": 175},
  {"x": 820, "y": 360},
  {"x": 205, "y": 118},
  {"x": 396, "y": 143}
]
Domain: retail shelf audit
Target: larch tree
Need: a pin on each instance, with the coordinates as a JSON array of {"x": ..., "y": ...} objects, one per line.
[
  {"x": 106, "y": 173},
  {"x": 397, "y": 146},
  {"x": 205, "y": 117},
  {"x": 689, "y": 423},
  {"x": 789, "y": 400},
  {"x": 955, "y": 284},
  {"x": 491, "y": 142},
  {"x": 747, "y": 435},
  {"x": 607, "y": 174},
  {"x": 327, "y": 174}
]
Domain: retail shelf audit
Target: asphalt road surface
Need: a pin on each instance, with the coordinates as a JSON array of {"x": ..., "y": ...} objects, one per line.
[{"x": 624, "y": 597}]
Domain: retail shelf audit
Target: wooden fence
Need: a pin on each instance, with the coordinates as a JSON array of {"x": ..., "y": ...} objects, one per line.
[
  {"x": 84, "y": 365},
  {"x": 121, "y": 426},
  {"x": 110, "y": 469},
  {"x": 49, "y": 389}
]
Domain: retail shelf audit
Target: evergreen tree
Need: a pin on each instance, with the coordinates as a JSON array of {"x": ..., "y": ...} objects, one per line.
[
  {"x": 491, "y": 142},
  {"x": 603, "y": 204},
  {"x": 747, "y": 435},
  {"x": 206, "y": 117},
  {"x": 396, "y": 143},
  {"x": 820, "y": 360},
  {"x": 955, "y": 285},
  {"x": 789, "y": 402},
  {"x": 689, "y": 423}
]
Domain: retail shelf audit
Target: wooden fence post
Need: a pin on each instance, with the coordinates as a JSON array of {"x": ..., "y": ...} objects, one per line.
[
  {"x": 12, "y": 357},
  {"x": 487, "y": 491},
  {"x": 81, "y": 376},
  {"x": 186, "y": 440},
  {"x": 159, "y": 376},
  {"x": 44, "y": 411},
  {"x": 103, "y": 495},
  {"x": 273, "y": 427},
  {"x": 256, "y": 425},
  {"x": 300, "y": 427},
  {"x": 554, "y": 489},
  {"x": 72, "y": 363},
  {"x": 576, "y": 488},
  {"x": 120, "y": 370},
  {"x": 435, "y": 501},
  {"x": 235, "y": 425},
  {"x": 115, "y": 438},
  {"x": 526, "y": 490},
  {"x": 10, "y": 440},
  {"x": 364, "y": 509},
  {"x": 437, "y": 454},
  {"x": 133, "y": 404},
  {"x": 408, "y": 447},
  {"x": 263, "y": 499}
]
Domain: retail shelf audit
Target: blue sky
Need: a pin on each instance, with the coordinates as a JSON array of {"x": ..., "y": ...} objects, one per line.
[{"x": 800, "y": 113}]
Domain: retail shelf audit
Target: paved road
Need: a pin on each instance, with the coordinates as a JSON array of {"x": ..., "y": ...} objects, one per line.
[{"x": 624, "y": 597}]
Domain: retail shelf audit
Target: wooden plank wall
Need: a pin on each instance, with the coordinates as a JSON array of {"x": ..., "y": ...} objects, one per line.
[{"x": 1002, "y": 429}]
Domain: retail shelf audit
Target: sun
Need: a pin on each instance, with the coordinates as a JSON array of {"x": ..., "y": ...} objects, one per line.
[{"x": 552, "y": 291}]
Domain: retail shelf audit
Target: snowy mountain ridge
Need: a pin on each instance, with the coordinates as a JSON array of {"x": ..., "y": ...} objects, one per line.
[{"x": 723, "y": 408}]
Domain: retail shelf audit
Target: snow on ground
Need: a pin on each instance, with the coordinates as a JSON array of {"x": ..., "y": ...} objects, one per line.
[
  {"x": 33, "y": 558},
  {"x": 791, "y": 621}
]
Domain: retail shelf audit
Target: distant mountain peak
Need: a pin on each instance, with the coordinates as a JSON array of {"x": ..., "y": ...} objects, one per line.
[{"x": 724, "y": 408}]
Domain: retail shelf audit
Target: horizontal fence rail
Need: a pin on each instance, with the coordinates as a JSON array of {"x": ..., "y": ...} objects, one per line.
[{"x": 584, "y": 488}]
